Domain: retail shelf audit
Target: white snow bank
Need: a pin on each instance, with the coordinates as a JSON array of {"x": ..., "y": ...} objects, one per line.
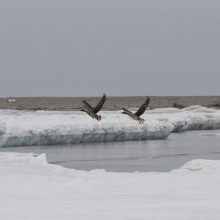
[
  {"x": 30, "y": 188},
  {"x": 204, "y": 166},
  {"x": 51, "y": 128},
  {"x": 192, "y": 118}
]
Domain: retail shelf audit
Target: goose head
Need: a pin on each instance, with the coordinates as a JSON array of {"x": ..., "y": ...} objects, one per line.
[
  {"x": 141, "y": 121},
  {"x": 98, "y": 117}
]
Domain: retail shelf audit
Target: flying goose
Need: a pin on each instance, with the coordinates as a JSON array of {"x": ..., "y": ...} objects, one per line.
[
  {"x": 91, "y": 111},
  {"x": 139, "y": 112}
]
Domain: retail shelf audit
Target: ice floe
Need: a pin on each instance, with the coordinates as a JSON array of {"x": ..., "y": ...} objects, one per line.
[{"x": 55, "y": 128}]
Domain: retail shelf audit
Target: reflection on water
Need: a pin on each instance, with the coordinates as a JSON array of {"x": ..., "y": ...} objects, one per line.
[{"x": 131, "y": 156}]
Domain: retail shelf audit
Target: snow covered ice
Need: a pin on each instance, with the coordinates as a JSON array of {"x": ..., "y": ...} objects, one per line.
[
  {"x": 21, "y": 128},
  {"x": 31, "y": 188}
]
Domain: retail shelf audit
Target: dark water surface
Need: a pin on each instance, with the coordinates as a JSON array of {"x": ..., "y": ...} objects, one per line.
[{"x": 130, "y": 156}]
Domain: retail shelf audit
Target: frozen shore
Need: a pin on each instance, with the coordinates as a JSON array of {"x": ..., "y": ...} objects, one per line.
[
  {"x": 112, "y": 103},
  {"x": 31, "y": 188}
]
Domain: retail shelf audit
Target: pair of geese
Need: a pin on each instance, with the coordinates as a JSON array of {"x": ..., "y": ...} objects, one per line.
[{"x": 92, "y": 111}]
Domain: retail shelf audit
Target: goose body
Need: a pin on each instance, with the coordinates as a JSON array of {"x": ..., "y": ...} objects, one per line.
[
  {"x": 140, "y": 111},
  {"x": 92, "y": 111}
]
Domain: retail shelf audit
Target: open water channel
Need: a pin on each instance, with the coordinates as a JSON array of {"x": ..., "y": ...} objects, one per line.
[{"x": 131, "y": 156}]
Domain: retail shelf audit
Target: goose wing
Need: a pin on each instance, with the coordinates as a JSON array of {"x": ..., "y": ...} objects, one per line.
[
  {"x": 87, "y": 105},
  {"x": 100, "y": 104},
  {"x": 142, "y": 109},
  {"x": 90, "y": 113},
  {"x": 127, "y": 112}
]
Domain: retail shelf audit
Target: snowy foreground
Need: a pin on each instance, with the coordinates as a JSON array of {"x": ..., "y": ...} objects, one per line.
[
  {"x": 22, "y": 128},
  {"x": 30, "y": 189}
]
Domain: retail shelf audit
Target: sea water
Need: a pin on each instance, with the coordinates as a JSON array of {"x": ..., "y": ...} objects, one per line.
[{"x": 131, "y": 156}]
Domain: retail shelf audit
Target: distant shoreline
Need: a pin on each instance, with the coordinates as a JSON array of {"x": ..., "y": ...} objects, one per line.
[{"x": 112, "y": 103}]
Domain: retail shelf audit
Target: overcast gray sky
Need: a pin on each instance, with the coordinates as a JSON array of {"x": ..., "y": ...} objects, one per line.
[{"x": 122, "y": 48}]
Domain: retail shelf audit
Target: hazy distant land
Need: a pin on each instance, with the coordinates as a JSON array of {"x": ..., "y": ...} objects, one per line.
[{"x": 112, "y": 103}]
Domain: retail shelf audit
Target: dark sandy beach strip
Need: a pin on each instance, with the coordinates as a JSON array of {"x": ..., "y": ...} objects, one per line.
[{"x": 112, "y": 103}]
